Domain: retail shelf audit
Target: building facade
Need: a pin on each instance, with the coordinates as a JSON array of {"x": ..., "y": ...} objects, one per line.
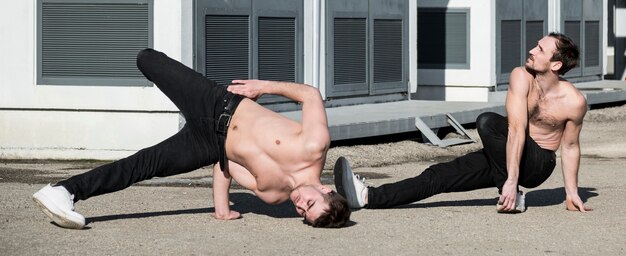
[{"x": 69, "y": 87}]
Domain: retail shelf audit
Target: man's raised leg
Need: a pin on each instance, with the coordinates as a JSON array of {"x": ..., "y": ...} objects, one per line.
[{"x": 189, "y": 90}]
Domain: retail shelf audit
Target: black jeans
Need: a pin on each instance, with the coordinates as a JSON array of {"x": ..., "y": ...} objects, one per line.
[
  {"x": 481, "y": 169},
  {"x": 195, "y": 145}
]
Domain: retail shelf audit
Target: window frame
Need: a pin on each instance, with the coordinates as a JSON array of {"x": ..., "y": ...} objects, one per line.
[{"x": 42, "y": 80}]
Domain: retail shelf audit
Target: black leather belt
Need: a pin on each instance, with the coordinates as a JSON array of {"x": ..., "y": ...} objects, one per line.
[{"x": 231, "y": 101}]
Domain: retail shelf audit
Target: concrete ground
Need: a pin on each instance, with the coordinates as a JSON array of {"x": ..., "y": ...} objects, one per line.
[{"x": 173, "y": 215}]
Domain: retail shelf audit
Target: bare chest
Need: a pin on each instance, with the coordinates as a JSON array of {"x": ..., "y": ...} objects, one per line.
[{"x": 545, "y": 112}]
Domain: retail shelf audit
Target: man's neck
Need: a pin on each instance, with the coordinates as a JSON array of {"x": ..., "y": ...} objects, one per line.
[
  {"x": 547, "y": 81},
  {"x": 303, "y": 178}
]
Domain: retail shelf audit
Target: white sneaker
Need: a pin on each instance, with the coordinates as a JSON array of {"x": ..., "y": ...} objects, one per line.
[
  {"x": 58, "y": 204},
  {"x": 349, "y": 185},
  {"x": 520, "y": 204}
]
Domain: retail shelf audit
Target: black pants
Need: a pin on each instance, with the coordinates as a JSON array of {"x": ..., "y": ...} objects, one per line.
[
  {"x": 481, "y": 169},
  {"x": 194, "y": 146}
]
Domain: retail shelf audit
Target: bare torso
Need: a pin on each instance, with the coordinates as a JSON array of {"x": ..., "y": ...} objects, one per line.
[
  {"x": 548, "y": 112},
  {"x": 271, "y": 149}
]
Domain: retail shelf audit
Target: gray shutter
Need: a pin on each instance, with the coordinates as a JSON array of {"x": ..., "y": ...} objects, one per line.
[
  {"x": 592, "y": 43},
  {"x": 350, "y": 51},
  {"x": 347, "y": 48},
  {"x": 227, "y": 47},
  {"x": 534, "y": 32},
  {"x": 277, "y": 49},
  {"x": 510, "y": 38},
  {"x": 93, "y": 43},
  {"x": 571, "y": 17},
  {"x": 387, "y": 51}
]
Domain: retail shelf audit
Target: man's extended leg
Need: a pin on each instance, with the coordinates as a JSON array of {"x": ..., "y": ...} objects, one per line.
[
  {"x": 181, "y": 153},
  {"x": 465, "y": 173}
]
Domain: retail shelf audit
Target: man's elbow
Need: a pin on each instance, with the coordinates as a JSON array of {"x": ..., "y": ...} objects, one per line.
[{"x": 570, "y": 148}]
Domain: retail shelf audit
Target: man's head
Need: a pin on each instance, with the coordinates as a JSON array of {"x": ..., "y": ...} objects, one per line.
[
  {"x": 320, "y": 206},
  {"x": 554, "y": 52}
]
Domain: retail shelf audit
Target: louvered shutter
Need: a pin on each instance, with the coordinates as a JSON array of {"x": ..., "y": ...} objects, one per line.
[
  {"x": 510, "y": 38},
  {"x": 227, "y": 48},
  {"x": 92, "y": 43},
  {"x": 571, "y": 28},
  {"x": 387, "y": 51},
  {"x": 277, "y": 49},
  {"x": 350, "y": 51},
  {"x": 534, "y": 32},
  {"x": 592, "y": 43}
]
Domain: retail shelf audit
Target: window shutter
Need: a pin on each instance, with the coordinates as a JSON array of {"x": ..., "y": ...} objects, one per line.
[
  {"x": 227, "y": 48},
  {"x": 277, "y": 49},
  {"x": 534, "y": 32},
  {"x": 350, "y": 50},
  {"x": 83, "y": 41},
  {"x": 592, "y": 43},
  {"x": 510, "y": 38},
  {"x": 387, "y": 51}
]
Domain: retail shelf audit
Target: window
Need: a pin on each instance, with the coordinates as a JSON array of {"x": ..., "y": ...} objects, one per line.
[
  {"x": 443, "y": 38},
  {"x": 92, "y": 42},
  {"x": 367, "y": 47},
  {"x": 260, "y": 39}
]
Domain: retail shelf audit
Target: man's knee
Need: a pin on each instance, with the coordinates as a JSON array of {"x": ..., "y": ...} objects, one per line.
[
  {"x": 145, "y": 58},
  {"x": 488, "y": 120},
  {"x": 483, "y": 120}
]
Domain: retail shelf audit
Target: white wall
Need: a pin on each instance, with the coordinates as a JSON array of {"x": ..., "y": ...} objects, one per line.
[
  {"x": 467, "y": 84},
  {"x": 46, "y": 121}
]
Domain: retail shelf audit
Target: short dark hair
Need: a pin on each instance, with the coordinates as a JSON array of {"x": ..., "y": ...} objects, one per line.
[
  {"x": 337, "y": 215},
  {"x": 566, "y": 52}
]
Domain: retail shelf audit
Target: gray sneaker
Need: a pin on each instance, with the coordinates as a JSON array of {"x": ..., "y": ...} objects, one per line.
[
  {"x": 520, "y": 204},
  {"x": 349, "y": 185},
  {"x": 58, "y": 204}
]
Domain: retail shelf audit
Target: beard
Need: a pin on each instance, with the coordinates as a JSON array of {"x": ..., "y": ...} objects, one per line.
[{"x": 530, "y": 66}]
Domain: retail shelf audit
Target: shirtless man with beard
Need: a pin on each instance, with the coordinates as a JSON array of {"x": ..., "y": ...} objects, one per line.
[{"x": 544, "y": 112}]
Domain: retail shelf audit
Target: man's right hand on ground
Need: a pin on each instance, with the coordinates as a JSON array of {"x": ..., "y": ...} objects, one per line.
[
  {"x": 508, "y": 197},
  {"x": 230, "y": 215}
]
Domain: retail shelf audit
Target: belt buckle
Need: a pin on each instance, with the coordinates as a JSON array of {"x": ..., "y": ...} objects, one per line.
[{"x": 223, "y": 123}]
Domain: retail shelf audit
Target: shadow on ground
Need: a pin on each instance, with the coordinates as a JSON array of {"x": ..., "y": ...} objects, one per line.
[
  {"x": 535, "y": 198},
  {"x": 242, "y": 202}
]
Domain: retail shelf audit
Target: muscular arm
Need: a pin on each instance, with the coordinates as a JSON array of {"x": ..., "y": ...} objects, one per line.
[
  {"x": 570, "y": 157},
  {"x": 314, "y": 122},
  {"x": 221, "y": 186},
  {"x": 517, "y": 112}
]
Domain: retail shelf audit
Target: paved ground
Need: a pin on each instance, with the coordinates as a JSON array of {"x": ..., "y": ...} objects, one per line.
[{"x": 173, "y": 216}]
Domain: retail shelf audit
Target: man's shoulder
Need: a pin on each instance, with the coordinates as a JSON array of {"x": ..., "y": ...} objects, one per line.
[
  {"x": 521, "y": 74},
  {"x": 571, "y": 90},
  {"x": 576, "y": 100}
]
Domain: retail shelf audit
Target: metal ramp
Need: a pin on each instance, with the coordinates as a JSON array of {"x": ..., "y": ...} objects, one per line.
[{"x": 429, "y": 135}]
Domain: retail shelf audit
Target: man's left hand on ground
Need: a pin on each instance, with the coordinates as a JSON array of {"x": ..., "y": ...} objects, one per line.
[{"x": 574, "y": 203}]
